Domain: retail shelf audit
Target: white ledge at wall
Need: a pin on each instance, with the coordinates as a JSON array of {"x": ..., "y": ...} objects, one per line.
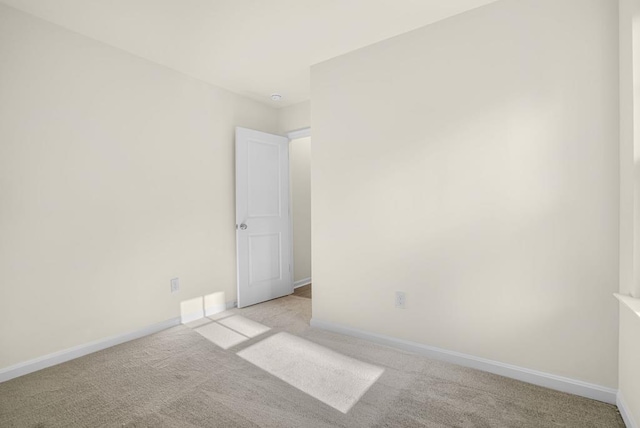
[
  {"x": 625, "y": 413},
  {"x": 69, "y": 354},
  {"x": 632, "y": 302},
  {"x": 547, "y": 380},
  {"x": 299, "y": 133}
]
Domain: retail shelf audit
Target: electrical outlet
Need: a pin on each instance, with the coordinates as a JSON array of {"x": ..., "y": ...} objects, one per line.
[
  {"x": 175, "y": 285},
  {"x": 401, "y": 300}
]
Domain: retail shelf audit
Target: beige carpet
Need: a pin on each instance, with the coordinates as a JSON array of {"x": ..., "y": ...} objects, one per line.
[{"x": 178, "y": 378}]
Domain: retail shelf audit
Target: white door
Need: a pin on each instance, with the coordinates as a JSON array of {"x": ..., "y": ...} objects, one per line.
[{"x": 263, "y": 232}]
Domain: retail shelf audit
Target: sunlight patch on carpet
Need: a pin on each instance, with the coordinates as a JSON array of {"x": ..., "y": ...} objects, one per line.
[
  {"x": 244, "y": 326},
  {"x": 221, "y": 335},
  {"x": 333, "y": 378},
  {"x": 220, "y": 315},
  {"x": 198, "y": 323}
]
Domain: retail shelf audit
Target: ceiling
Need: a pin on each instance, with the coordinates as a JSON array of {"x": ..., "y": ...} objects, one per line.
[{"x": 251, "y": 47}]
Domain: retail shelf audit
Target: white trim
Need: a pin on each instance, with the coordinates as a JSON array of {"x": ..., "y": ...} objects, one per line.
[
  {"x": 216, "y": 309},
  {"x": 65, "y": 355},
  {"x": 632, "y": 303},
  {"x": 294, "y": 135},
  {"x": 299, "y": 133},
  {"x": 547, "y": 380},
  {"x": 302, "y": 282},
  {"x": 624, "y": 412},
  {"x": 290, "y": 211},
  {"x": 193, "y": 316},
  {"x": 212, "y": 310}
]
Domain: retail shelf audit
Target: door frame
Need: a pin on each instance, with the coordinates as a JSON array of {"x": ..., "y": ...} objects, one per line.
[{"x": 295, "y": 135}]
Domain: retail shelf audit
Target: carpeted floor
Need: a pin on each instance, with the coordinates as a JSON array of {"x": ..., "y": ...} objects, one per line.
[
  {"x": 178, "y": 378},
  {"x": 304, "y": 291}
]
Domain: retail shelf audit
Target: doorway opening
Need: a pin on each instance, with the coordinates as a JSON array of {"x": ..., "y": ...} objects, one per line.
[
  {"x": 273, "y": 215},
  {"x": 300, "y": 208}
]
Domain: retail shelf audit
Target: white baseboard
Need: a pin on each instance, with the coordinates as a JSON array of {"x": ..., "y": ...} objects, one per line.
[
  {"x": 302, "y": 282},
  {"x": 625, "y": 413},
  {"x": 212, "y": 310},
  {"x": 547, "y": 380},
  {"x": 216, "y": 309},
  {"x": 193, "y": 316},
  {"x": 49, "y": 360}
]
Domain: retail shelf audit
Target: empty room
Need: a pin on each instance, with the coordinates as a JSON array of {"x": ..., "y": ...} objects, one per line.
[{"x": 320, "y": 213}]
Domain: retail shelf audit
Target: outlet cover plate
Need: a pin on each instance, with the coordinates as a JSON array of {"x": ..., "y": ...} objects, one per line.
[
  {"x": 175, "y": 285},
  {"x": 401, "y": 300}
]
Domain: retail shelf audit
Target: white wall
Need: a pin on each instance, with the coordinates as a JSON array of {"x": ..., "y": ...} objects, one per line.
[
  {"x": 629, "y": 36},
  {"x": 116, "y": 175},
  {"x": 629, "y": 382},
  {"x": 473, "y": 164},
  {"x": 629, "y": 353},
  {"x": 300, "y": 159},
  {"x": 294, "y": 117},
  {"x": 627, "y": 161}
]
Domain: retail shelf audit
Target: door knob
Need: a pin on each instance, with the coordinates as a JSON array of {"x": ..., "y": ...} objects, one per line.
[{"x": 243, "y": 226}]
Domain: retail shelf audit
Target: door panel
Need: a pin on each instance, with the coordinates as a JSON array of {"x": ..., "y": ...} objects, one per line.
[
  {"x": 264, "y": 258},
  {"x": 264, "y": 179},
  {"x": 262, "y": 217}
]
